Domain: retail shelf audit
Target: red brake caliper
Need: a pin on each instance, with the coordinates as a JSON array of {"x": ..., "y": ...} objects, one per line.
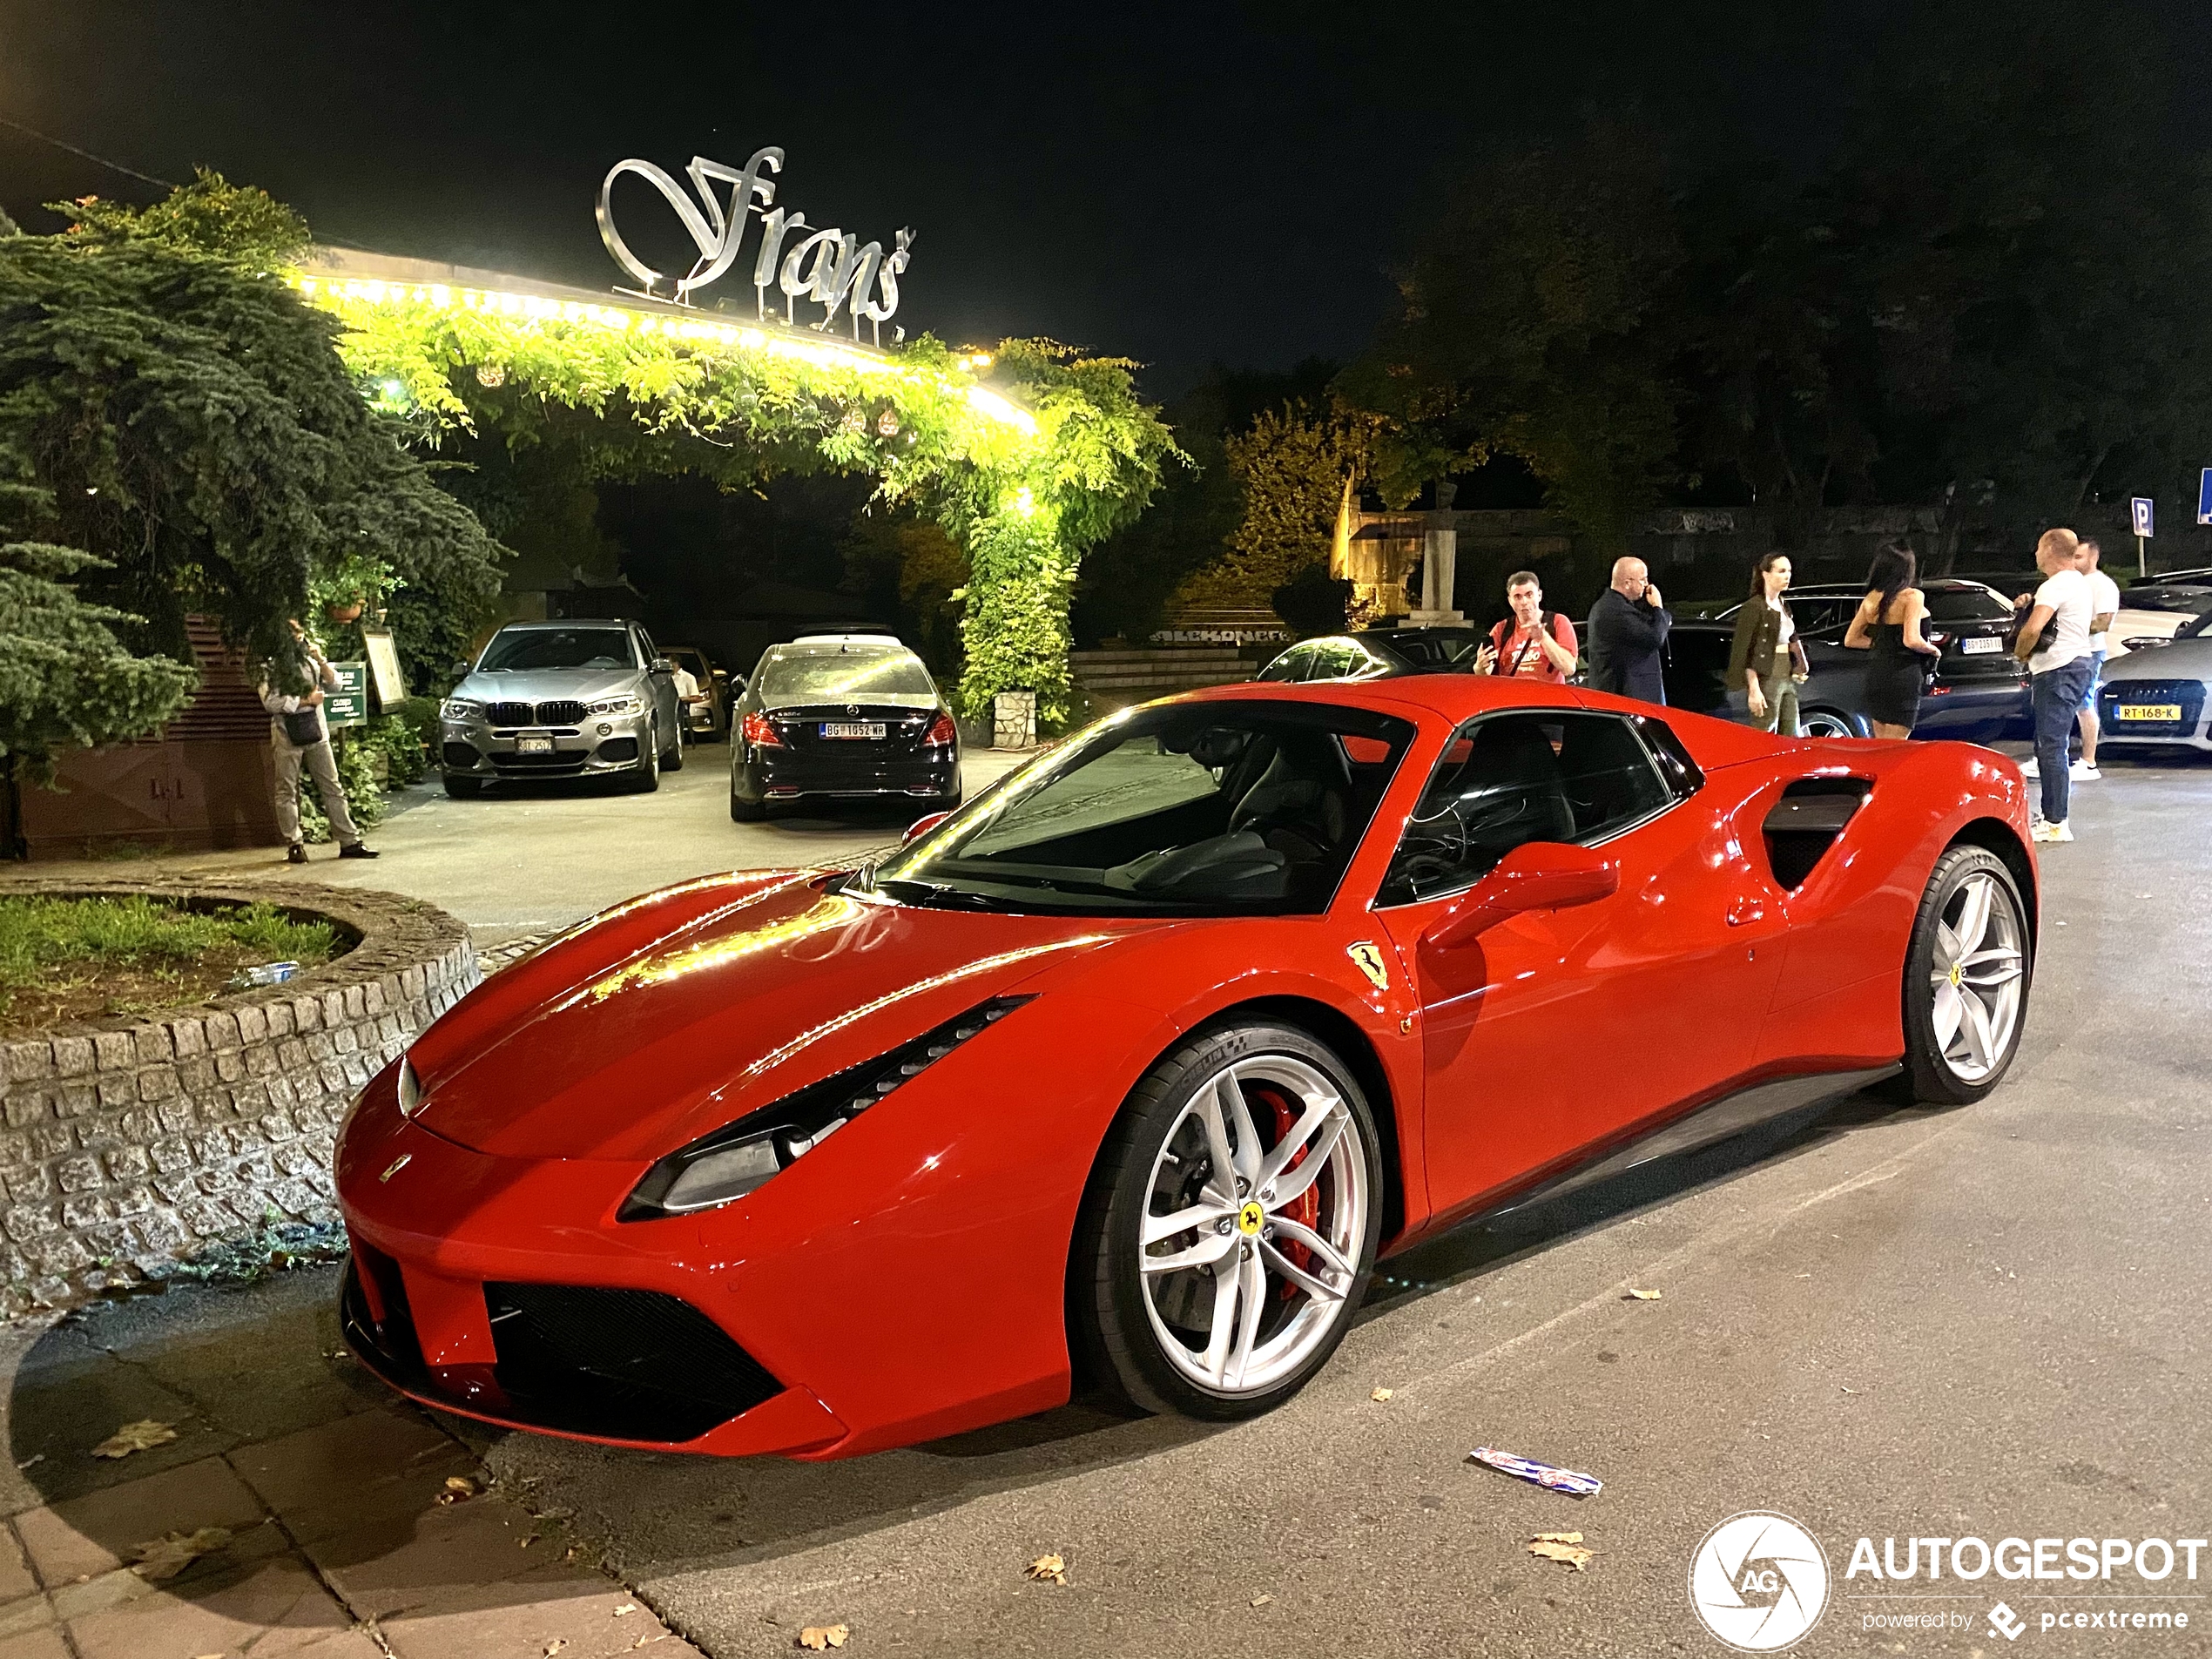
[{"x": 1306, "y": 1209}]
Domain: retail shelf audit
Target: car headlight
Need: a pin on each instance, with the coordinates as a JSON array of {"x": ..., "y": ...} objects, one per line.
[
  {"x": 741, "y": 1156},
  {"x": 460, "y": 708},
  {"x": 628, "y": 704}
]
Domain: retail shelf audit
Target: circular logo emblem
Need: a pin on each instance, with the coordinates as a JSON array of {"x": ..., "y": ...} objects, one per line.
[
  {"x": 1759, "y": 1581},
  {"x": 1248, "y": 1218}
]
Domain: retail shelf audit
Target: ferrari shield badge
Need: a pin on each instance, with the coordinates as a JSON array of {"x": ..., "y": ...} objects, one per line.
[{"x": 1368, "y": 958}]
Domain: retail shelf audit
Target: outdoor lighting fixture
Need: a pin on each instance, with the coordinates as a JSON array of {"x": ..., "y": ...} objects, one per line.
[
  {"x": 491, "y": 374},
  {"x": 888, "y": 423}
]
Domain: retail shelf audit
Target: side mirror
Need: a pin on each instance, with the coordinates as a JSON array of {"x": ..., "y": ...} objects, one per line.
[
  {"x": 722, "y": 674},
  {"x": 1540, "y": 875},
  {"x": 663, "y": 666},
  {"x": 461, "y": 672},
  {"x": 922, "y": 826}
]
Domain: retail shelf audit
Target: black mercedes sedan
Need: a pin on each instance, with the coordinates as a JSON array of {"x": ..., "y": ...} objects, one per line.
[{"x": 841, "y": 716}]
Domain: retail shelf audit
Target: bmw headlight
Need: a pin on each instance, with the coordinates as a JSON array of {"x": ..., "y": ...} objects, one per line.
[
  {"x": 460, "y": 708},
  {"x": 740, "y": 1156},
  {"x": 628, "y": 704}
]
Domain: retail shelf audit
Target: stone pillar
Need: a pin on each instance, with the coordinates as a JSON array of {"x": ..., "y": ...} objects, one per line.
[{"x": 1439, "y": 553}]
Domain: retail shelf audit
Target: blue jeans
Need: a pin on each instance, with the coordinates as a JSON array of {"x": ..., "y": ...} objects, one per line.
[{"x": 2057, "y": 692}]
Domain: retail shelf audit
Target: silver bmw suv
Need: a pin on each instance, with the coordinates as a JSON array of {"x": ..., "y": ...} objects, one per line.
[{"x": 561, "y": 699}]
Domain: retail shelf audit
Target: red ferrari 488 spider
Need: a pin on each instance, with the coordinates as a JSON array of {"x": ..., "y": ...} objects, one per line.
[{"x": 1133, "y": 1067}]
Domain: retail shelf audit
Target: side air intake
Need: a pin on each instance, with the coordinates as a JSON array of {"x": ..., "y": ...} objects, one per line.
[{"x": 1805, "y": 823}]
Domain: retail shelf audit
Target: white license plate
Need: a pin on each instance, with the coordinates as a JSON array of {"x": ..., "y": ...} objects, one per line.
[
  {"x": 1982, "y": 647},
  {"x": 852, "y": 729},
  {"x": 2167, "y": 712},
  {"x": 533, "y": 745}
]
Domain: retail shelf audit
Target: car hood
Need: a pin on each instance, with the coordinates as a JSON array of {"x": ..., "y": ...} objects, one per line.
[
  {"x": 546, "y": 685},
  {"x": 2182, "y": 659},
  {"x": 671, "y": 1017}
]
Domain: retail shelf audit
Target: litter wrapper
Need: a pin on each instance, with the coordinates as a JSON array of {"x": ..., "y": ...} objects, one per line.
[
  {"x": 248, "y": 978},
  {"x": 1544, "y": 1474}
]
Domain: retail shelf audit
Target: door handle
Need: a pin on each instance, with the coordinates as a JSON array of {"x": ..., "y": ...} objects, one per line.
[{"x": 1744, "y": 910}]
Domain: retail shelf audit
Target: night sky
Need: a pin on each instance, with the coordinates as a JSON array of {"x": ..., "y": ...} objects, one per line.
[{"x": 1184, "y": 184}]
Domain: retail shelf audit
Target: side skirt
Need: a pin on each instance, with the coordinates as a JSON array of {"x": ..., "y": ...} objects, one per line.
[{"x": 1730, "y": 1114}]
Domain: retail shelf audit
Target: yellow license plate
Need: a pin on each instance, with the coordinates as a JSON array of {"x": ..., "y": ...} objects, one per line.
[{"x": 2170, "y": 712}]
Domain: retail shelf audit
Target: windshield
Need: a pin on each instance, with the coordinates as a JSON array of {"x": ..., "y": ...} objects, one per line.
[
  {"x": 1244, "y": 808},
  {"x": 843, "y": 676},
  {"x": 524, "y": 648}
]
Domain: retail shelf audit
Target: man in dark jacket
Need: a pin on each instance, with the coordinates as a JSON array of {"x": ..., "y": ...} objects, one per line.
[{"x": 1627, "y": 631}]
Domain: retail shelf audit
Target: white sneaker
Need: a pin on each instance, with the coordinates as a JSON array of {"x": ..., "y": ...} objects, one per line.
[
  {"x": 2051, "y": 832},
  {"x": 2028, "y": 768},
  {"x": 2083, "y": 773}
]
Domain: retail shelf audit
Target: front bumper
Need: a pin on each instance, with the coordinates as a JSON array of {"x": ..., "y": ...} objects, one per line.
[
  {"x": 599, "y": 743},
  {"x": 2192, "y": 697}
]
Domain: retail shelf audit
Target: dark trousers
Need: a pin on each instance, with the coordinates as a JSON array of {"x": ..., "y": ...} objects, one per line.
[{"x": 2058, "y": 698}]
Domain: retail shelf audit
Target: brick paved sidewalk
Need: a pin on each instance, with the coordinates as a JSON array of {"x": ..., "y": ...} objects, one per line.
[{"x": 327, "y": 1486}]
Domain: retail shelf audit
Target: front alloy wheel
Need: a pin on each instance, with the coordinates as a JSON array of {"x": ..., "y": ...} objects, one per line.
[
  {"x": 1967, "y": 978},
  {"x": 1232, "y": 1224}
]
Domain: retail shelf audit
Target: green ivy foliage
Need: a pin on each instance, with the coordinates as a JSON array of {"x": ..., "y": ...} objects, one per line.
[{"x": 1026, "y": 498}]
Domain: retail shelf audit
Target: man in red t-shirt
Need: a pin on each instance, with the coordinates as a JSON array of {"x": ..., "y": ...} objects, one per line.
[{"x": 1531, "y": 644}]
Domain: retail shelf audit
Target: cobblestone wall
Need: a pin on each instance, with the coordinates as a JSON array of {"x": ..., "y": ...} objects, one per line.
[{"x": 126, "y": 1144}]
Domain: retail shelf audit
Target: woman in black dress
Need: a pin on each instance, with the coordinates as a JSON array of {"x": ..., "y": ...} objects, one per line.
[{"x": 1888, "y": 624}]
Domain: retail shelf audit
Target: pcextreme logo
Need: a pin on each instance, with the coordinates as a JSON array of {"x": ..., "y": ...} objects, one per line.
[{"x": 1759, "y": 1581}]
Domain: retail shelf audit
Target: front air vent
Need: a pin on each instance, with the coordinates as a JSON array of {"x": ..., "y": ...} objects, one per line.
[{"x": 1806, "y": 822}]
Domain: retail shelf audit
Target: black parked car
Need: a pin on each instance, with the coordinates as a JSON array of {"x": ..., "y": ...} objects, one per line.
[
  {"x": 841, "y": 715},
  {"x": 1978, "y": 691},
  {"x": 1377, "y": 653},
  {"x": 1831, "y": 704},
  {"x": 2187, "y": 590}
]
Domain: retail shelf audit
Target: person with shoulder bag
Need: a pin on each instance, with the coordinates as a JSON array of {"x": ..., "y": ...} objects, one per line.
[
  {"x": 1532, "y": 643},
  {"x": 1766, "y": 658},
  {"x": 293, "y": 685}
]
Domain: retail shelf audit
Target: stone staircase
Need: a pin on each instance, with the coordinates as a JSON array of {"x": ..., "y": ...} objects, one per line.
[{"x": 1131, "y": 674}]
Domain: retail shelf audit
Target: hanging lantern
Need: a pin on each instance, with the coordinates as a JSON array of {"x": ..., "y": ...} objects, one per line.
[
  {"x": 491, "y": 374},
  {"x": 888, "y": 423},
  {"x": 854, "y": 422}
]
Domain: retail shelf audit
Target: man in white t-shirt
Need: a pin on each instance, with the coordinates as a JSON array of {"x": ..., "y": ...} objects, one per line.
[
  {"x": 2104, "y": 604},
  {"x": 2054, "y": 644}
]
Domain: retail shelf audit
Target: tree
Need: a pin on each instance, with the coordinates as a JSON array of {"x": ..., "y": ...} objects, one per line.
[
  {"x": 1531, "y": 323},
  {"x": 1291, "y": 468},
  {"x": 194, "y": 427},
  {"x": 209, "y": 216}
]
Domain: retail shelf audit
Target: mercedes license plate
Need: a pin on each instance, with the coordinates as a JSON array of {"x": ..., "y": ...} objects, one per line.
[
  {"x": 861, "y": 729},
  {"x": 533, "y": 745},
  {"x": 2169, "y": 713},
  {"x": 1981, "y": 646}
]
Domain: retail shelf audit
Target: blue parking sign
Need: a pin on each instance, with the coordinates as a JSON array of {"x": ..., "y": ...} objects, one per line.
[
  {"x": 2139, "y": 509},
  {"x": 2204, "y": 497}
]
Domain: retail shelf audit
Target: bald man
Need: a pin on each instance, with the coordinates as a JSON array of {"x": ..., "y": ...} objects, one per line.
[{"x": 1628, "y": 632}]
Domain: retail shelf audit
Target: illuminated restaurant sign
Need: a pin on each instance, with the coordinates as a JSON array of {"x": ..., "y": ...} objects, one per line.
[{"x": 829, "y": 268}]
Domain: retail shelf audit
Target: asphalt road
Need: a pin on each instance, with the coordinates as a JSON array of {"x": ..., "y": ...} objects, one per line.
[{"x": 1888, "y": 1322}]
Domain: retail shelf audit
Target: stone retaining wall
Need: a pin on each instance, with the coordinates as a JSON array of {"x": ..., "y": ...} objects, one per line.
[{"x": 128, "y": 1143}]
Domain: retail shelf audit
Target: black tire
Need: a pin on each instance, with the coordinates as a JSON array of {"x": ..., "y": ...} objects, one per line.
[
  {"x": 1836, "y": 724},
  {"x": 463, "y": 788},
  {"x": 645, "y": 779},
  {"x": 1936, "y": 1076},
  {"x": 1109, "y": 1321},
  {"x": 673, "y": 759},
  {"x": 741, "y": 810}
]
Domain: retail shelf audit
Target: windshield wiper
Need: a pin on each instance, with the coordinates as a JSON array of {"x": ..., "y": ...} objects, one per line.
[{"x": 937, "y": 895}]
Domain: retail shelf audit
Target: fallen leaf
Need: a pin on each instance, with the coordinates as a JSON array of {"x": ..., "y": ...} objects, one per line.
[
  {"x": 1049, "y": 1566},
  {"x": 35, "y": 1457},
  {"x": 625, "y": 1610},
  {"x": 459, "y": 1489},
  {"x": 1635, "y": 1295},
  {"x": 525, "y": 1543},
  {"x": 821, "y": 1636},
  {"x": 140, "y": 1436},
  {"x": 1557, "y": 1538},
  {"x": 170, "y": 1554},
  {"x": 1379, "y": 1395},
  {"x": 1262, "y": 1601},
  {"x": 1554, "y": 1549},
  {"x": 555, "y": 1645}
]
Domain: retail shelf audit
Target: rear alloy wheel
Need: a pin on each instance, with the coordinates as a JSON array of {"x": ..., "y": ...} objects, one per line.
[
  {"x": 1821, "y": 723},
  {"x": 1967, "y": 978},
  {"x": 1231, "y": 1225}
]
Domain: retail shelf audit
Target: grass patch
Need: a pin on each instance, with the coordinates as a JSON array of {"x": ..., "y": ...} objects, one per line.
[{"x": 73, "y": 959}]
